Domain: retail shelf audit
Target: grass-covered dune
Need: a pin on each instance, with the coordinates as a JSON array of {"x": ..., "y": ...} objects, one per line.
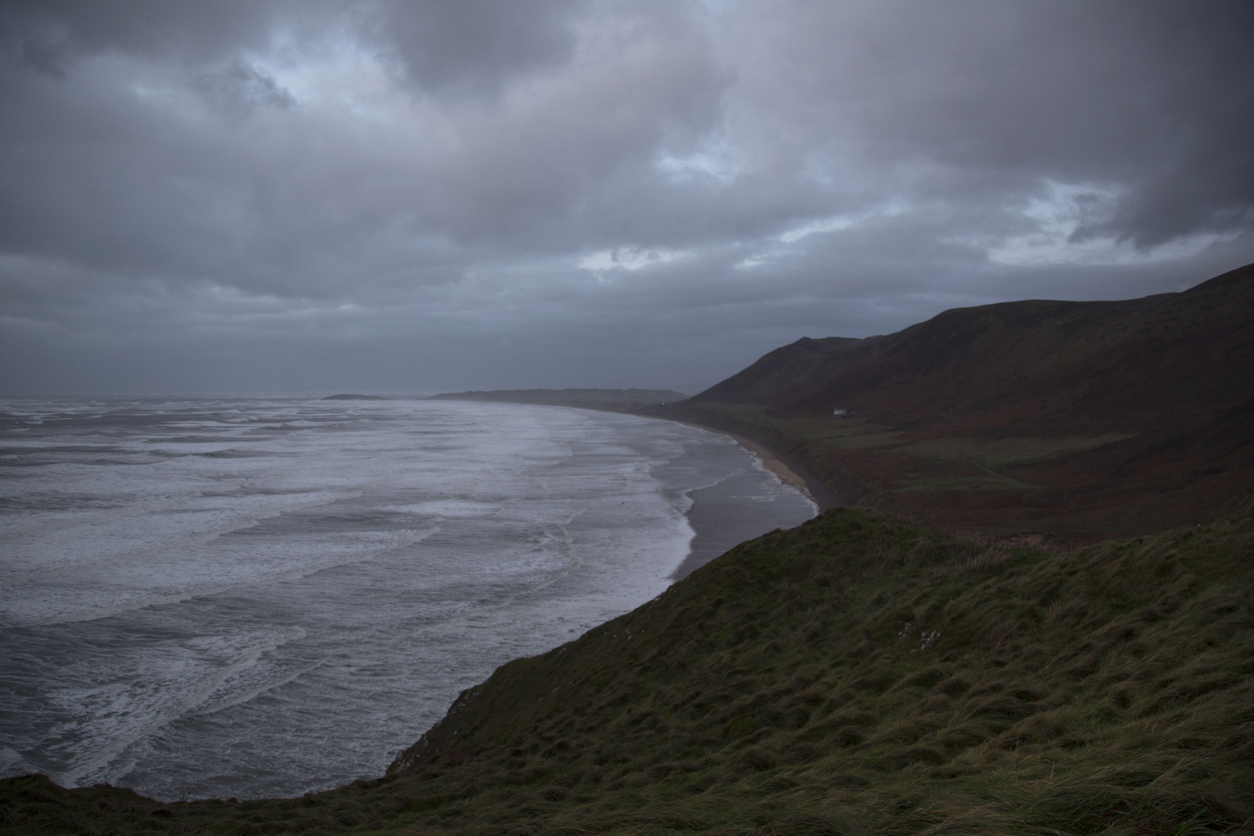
[{"x": 857, "y": 674}]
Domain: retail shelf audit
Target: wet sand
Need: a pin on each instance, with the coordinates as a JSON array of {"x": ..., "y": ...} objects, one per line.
[
  {"x": 786, "y": 470},
  {"x": 715, "y": 533}
]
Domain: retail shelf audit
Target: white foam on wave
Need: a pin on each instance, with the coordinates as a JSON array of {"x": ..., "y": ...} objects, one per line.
[
  {"x": 198, "y": 569},
  {"x": 317, "y": 606},
  {"x": 12, "y": 763},
  {"x": 132, "y": 694},
  {"x": 461, "y": 509},
  {"x": 775, "y": 486}
]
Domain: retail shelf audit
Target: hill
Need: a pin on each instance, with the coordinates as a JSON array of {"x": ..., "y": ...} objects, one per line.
[
  {"x": 1133, "y": 364},
  {"x": 1079, "y": 419},
  {"x": 855, "y": 675}
]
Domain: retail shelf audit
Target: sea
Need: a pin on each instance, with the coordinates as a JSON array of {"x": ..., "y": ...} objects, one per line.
[{"x": 227, "y": 597}]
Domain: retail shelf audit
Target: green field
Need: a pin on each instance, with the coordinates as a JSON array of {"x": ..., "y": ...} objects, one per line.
[
  {"x": 1005, "y": 452},
  {"x": 978, "y": 482},
  {"x": 861, "y": 438}
]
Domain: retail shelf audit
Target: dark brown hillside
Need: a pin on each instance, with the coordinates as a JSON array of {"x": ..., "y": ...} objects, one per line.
[
  {"x": 778, "y": 377},
  {"x": 1083, "y": 419},
  {"x": 1132, "y": 365}
]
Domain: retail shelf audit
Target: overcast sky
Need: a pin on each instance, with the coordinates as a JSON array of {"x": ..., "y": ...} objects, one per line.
[{"x": 305, "y": 196}]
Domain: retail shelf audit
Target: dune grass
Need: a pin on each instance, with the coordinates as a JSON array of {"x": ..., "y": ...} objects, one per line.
[{"x": 855, "y": 675}]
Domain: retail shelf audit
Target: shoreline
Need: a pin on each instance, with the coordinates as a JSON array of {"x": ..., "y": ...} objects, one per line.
[
  {"x": 784, "y": 468},
  {"x": 787, "y": 471},
  {"x": 779, "y": 465}
]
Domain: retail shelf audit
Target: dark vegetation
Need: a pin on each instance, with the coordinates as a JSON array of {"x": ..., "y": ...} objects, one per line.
[
  {"x": 866, "y": 674},
  {"x": 1082, "y": 420}
]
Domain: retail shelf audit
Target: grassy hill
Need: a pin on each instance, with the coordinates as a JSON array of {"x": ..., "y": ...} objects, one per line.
[
  {"x": 855, "y": 675},
  {"x": 1079, "y": 419},
  {"x": 1129, "y": 366}
]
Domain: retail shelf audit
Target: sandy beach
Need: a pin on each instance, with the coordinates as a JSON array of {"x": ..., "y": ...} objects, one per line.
[
  {"x": 786, "y": 470},
  {"x": 712, "y": 538}
]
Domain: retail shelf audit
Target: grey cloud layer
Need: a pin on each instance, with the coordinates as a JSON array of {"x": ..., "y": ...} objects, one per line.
[{"x": 589, "y": 193}]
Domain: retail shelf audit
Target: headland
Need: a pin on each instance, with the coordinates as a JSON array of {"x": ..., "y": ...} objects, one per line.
[{"x": 865, "y": 673}]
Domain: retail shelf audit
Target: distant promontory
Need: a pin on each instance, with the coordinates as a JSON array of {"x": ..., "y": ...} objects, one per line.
[{"x": 604, "y": 398}]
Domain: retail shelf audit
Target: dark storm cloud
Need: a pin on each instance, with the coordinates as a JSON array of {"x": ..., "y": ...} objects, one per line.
[
  {"x": 472, "y": 46},
  {"x": 586, "y": 192},
  {"x": 475, "y": 46},
  {"x": 241, "y": 89},
  {"x": 1154, "y": 98},
  {"x": 50, "y": 34}
]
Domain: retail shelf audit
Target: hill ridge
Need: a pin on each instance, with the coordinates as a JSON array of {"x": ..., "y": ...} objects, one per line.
[
  {"x": 1104, "y": 418},
  {"x": 959, "y": 359}
]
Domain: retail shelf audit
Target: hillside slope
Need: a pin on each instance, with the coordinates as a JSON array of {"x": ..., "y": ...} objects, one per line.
[
  {"x": 855, "y": 675},
  {"x": 1132, "y": 365},
  {"x": 1077, "y": 419}
]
